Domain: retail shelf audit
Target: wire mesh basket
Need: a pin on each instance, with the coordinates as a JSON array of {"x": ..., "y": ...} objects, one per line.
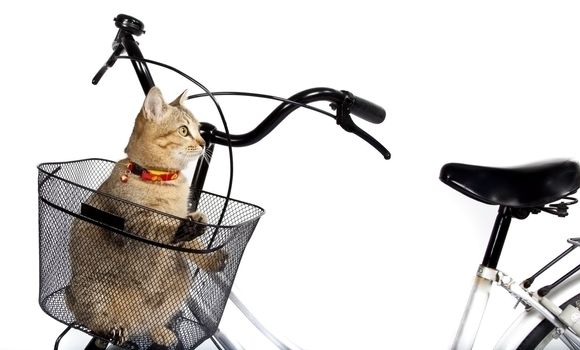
[{"x": 103, "y": 272}]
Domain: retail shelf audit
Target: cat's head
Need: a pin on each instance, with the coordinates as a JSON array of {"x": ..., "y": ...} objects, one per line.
[{"x": 165, "y": 136}]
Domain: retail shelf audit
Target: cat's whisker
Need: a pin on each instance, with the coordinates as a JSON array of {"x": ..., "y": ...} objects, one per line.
[
  {"x": 208, "y": 152},
  {"x": 206, "y": 155}
]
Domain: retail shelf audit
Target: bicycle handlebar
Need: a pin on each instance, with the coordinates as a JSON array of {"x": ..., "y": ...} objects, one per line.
[
  {"x": 344, "y": 102},
  {"x": 279, "y": 114}
]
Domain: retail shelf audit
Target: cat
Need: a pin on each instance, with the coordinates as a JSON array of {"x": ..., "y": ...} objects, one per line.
[{"x": 136, "y": 288}]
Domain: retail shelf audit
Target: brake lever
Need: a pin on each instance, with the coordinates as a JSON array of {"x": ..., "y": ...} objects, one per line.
[
  {"x": 118, "y": 50},
  {"x": 345, "y": 121}
]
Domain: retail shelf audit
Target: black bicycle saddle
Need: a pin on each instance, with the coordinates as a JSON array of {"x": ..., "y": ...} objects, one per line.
[{"x": 527, "y": 186}]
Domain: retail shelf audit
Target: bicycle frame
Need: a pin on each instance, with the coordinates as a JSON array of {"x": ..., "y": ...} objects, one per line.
[
  {"x": 477, "y": 303},
  {"x": 487, "y": 274},
  {"x": 529, "y": 319}
]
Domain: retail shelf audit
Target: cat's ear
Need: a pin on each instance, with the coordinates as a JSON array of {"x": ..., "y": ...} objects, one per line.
[
  {"x": 153, "y": 105},
  {"x": 180, "y": 100}
]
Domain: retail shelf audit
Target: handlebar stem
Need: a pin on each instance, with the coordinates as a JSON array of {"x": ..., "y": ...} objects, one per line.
[{"x": 132, "y": 49}]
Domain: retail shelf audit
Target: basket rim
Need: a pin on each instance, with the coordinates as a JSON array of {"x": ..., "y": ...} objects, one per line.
[
  {"x": 49, "y": 174},
  {"x": 132, "y": 235}
]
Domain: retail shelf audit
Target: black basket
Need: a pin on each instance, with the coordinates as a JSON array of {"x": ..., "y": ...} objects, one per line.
[{"x": 84, "y": 272}]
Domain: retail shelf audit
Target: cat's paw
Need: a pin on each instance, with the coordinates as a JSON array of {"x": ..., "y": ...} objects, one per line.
[
  {"x": 214, "y": 262},
  {"x": 163, "y": 336},
  {"x": 119, "y": 334},
  {"x": 198, "y": 216}
]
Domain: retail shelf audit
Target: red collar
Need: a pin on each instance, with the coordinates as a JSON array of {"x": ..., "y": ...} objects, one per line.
[{"x": 149, "y": 175}]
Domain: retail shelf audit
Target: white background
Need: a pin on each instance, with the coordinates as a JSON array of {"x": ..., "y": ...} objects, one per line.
[{"x": 354, "y": 251}]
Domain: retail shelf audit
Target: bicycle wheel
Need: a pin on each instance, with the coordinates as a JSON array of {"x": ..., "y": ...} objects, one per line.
[{"x": 543, "y": 336}]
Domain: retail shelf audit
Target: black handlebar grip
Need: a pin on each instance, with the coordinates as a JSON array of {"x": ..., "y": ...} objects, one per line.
[{"x": 367, "y": 110}]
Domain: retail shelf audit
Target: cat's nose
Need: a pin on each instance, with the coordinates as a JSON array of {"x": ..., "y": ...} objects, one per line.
[{"x": 201, "y": 142}]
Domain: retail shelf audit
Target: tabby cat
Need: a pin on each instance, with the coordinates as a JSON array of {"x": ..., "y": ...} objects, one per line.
[{"x": 136, "y": 289}]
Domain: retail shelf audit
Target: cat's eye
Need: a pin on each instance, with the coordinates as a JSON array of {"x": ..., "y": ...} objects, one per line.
[{"x": 183, "y": 131}]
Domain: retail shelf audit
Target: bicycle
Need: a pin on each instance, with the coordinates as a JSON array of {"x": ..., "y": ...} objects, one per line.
[
  {"x": 519, "y": 192},
  {"x": 64, "y": 189}
]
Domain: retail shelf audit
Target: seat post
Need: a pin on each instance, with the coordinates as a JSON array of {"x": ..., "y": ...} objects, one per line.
[{"x": 497, "y": 238}]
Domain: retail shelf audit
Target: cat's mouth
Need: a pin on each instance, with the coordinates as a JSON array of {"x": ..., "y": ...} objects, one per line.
[{"x": 193, "y": 153}]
